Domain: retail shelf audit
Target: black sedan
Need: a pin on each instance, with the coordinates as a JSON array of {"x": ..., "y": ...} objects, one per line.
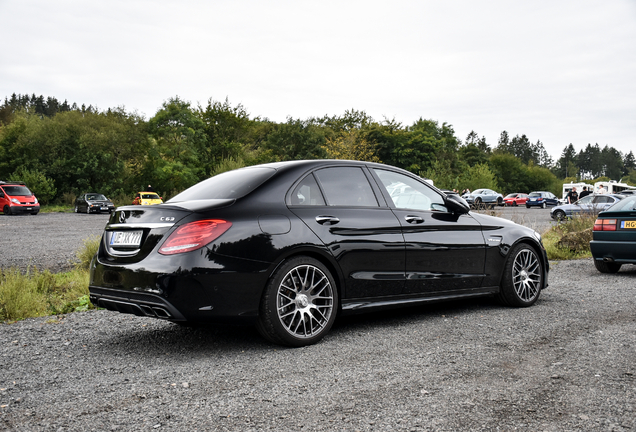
[
  {"x": 290, "y": 245},
  {"x": 93, "y": 203},
  {"x": 614, "y": 236}
]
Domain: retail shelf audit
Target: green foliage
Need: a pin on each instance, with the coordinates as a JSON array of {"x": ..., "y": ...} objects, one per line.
[
  {"x": 228, "y": 164},
  {"x": 478, "y": 176},
  {"x": 38, "y": 293},
  {"x": 86, "y": 253},
  {"x": 38, "y": 183},
  {"x": 570, "y": 239}
]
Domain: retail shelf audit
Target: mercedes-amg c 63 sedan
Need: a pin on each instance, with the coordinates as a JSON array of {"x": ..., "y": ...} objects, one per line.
[{"x": 289, "y": 246}]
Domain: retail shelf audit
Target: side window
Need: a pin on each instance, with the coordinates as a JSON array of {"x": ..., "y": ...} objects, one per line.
[
  {"x": 346, "y": 186},
  {"x": 408, "y": 193},
  {"x": 602, "y": 200},
  {"x": 307, "y": 193}
]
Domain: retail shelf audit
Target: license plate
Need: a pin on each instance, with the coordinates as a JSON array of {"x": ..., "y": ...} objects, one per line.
[
  {"x": 126, "y": 238},
  {"x": 628, "y": 224}
]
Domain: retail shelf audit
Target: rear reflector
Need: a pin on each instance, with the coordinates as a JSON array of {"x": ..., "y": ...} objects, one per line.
[
  {"x": 605, "y": 225},
  {"x": 194, "y": 235}
]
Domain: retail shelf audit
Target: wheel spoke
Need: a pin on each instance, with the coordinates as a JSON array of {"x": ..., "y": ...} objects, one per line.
[{"x": 526, "y": 276}]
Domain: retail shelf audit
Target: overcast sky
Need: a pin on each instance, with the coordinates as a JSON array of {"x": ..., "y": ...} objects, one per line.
[{"x": 559, "y": 71}]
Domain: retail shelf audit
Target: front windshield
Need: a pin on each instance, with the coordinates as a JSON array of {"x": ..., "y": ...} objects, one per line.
[
  {"x": 17, "y": 191},
  {"x": 228, "y": 185},
  {"x": 95, "y": 197},
  {"x": 627, "y": 204}
]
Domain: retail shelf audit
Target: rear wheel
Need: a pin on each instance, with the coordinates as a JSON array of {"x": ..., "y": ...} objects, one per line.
[
  {"x": 605, "y": 267},
  {"x": 560, "y": 215},
  {"x": 522, "y": 278},
  {"x": 500, "y": 202},
  {"x": 543, "y": 205},
  {"x": 6, "y": 210},
  {"x": 299, "y": 305}
]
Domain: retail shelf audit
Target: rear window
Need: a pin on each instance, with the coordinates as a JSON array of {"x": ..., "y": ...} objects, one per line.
[
  {"x": 627, "y": 204},
  {"x": 534, "y": 194},
  {"x": 228, "y": 185},
  {"x": 17, "y": 191}
]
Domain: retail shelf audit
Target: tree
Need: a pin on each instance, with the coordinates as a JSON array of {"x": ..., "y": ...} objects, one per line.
[
  {"x": 563, "y": 165},
  {"x": 629, "y": 163},
  {"x": 351, "y": 145}
]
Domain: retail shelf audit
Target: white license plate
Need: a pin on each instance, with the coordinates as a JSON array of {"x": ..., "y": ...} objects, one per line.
[{"x": 126, "y": 238}]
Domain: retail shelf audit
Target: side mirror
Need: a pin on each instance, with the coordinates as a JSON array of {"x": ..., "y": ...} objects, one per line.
[{"x": 456, "y": 204}]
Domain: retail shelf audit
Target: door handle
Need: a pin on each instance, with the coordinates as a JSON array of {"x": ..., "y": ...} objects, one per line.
[
  {"x": 327, "y": 220},
  {"x": 414, "y": 219}
]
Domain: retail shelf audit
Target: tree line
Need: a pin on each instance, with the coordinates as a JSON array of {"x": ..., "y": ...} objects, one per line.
[{"x": 62, "y": 149}]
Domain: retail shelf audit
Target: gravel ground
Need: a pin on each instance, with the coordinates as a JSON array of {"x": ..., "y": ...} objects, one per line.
[
  {"x": 565, "y": 364},
  {"x": 46, "y": 241}
]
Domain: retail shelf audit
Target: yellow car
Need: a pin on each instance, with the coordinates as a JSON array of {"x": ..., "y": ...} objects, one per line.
[{"x": 147, "y": 198}]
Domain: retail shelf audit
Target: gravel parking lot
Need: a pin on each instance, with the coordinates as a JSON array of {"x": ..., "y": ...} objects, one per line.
[{"x": 565, "y": 364}]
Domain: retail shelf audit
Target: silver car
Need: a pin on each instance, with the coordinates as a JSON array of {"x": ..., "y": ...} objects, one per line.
[
  {"x": 590, "y": 204},
  {"x": 484, "y": 197}
]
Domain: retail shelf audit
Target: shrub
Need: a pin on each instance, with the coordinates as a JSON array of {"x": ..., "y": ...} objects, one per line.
[{"x": 570, "y": 239}]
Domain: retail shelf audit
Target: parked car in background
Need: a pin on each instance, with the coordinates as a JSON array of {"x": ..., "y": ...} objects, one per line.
[
  {"x": 16, "y": 198},
  {"x": 93, "y": 203},
  {"x": 515, "y": 199},
  {"x": 614, "y": 236},
  {"x": 591, "y": 204},
  {"x": 483, "y": 197},
  {"x": 287, "y": 246},
  {"x": 147, "y": 198},
  {"x": 541, "y": 199}
]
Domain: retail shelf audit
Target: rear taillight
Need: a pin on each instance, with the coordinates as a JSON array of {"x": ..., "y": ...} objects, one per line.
[
  {"x": 194, "y": 235},
  {"x": 605, "y": 225}
]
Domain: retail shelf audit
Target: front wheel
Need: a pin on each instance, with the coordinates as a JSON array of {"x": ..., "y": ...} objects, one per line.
[
  {"x": 6, "y": 210},
  {"x": 299, "y": 304},
  {"x": 76, "y": 210},
  {"x": 606, "y": 267},
  {"x": 522, "y": 278}
]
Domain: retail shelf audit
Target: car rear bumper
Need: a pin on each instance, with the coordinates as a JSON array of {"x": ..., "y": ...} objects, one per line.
[{"x": 623, "y": 252}]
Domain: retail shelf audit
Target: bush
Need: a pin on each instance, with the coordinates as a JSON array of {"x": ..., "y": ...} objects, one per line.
[
  {"x": 570, "y": 239},
  {"x": 42, "y": 186},
  {"x": 87, "y": 252}
]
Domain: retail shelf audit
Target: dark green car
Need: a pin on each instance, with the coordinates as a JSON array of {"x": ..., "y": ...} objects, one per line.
[{"x": 614, "y": 237}]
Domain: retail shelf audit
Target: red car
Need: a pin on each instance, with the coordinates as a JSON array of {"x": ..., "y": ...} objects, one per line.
[
  {"x": 515, "y": 199},
  {"x": 16, "y": 198}
]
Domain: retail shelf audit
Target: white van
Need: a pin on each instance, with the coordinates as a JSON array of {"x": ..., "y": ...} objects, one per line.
[
  {"x": 567, "y": 187},
  {"x": 611, "y": 187}
]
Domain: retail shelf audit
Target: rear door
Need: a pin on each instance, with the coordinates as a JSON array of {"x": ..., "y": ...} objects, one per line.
[{"x": 346, "y": 211}]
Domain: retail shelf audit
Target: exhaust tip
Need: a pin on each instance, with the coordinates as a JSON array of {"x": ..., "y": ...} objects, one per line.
[{"x": 608, "y": 259}]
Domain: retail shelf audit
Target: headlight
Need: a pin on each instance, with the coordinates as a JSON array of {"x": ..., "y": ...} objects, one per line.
[
  {"x": 15, "y": 201},
  {"x": 36, "y": 200}
]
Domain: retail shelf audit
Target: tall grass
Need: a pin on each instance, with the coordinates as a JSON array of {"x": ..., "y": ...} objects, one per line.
[
  {"x": 37, "y": 293},
  {"x": 570, "y": 239}
]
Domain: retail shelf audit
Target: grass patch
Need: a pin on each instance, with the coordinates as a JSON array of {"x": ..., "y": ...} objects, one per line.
[
  {"x": 570, "y": 239},
  {"x": 56, "y": 208},
  {"x": 37, "y": 293}
]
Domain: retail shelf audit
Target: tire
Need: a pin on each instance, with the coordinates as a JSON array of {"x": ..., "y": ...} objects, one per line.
[
  {"x": 88, "y": 210},
  {"x": 543, "y": 205},
  {"x": 527, "y": 206},
  {"x": 605, "y": 267},
  {"x": 522, "y": 278},
  {"x": 7, "y": 210},
  {"x": 299, "y": 303},
  {"x": 500, "y": 202},
  {"x": 478, "y": 203},
  {"x": 560, "y": 215},
  {"x": 76, "y": 209},
  {"x": 514, "y": 203}
]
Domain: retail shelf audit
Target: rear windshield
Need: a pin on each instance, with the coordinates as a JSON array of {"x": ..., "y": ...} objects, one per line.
[
  {"x": 535, "y": 194},
  {"x": 627, "y": 204},
  {"x": 228, "y": 185},
  {"x": 17, "y": 191}
]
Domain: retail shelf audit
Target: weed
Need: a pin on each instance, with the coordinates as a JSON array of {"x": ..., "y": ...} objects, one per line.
[
  {"x": 570, "y": 239},
  {"x": 87, "y": 252}
]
